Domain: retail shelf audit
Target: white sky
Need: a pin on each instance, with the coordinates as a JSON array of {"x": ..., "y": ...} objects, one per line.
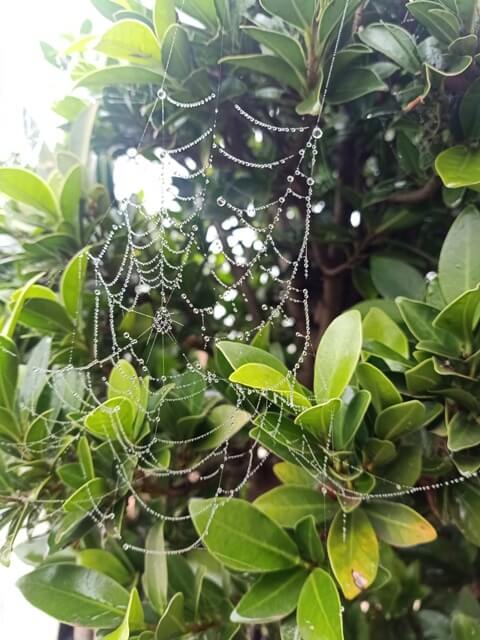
[{"x": 26, "y": 80}]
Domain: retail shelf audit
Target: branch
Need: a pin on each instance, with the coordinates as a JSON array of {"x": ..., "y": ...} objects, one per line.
[{"x": 427, "y": 191}]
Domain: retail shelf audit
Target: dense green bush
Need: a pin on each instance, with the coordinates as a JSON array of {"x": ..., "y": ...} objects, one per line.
[{"x": 364, "y": 522}]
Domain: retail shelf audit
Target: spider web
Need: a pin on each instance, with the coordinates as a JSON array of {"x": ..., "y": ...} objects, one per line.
[{"x": 158, "y": 248}]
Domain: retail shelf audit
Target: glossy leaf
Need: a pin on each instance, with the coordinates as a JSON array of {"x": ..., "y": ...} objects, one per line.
[
  {"x": 383, "y": 392},
  {"x": 353, "y": 84},
  {"x": 459, "y": 264},
  {"x": 394, "y": 42},
  {"x": 282, "y": 45},
  {"x": 353, "y": 552},
  {"x": 72, "y": 282},
  {"x": 378, "y": 326},
  {"x": 319, "y": 613},
  {"x": 156, "y": 571},
  {"x": 320, "y": 420},
  {"x": 105, "y": 562},
  {"x": 241, "y": 537},
  {"x": 171, "y": 624},
  {"x": 459, "y": 167},
  {"x": 308, "y": 541},
  {"x": 337, "y": 356},
  {"x": 400, "y": 419},
  {"x": 289, "y": 503},
  {"x": 264, "y": 378},
  {"x": 399, "y": 525},
  {"x": 299, "y": 13},
  {"x": 164, "y": 15},
  {"x": 393, "y": 277},
  {"x": 26, "y": 187},
  {"x": 75, "y": 595},
  {"x": 268, "y": 65},
  {"x": 272, "y": 597},
  {"x": 224, "y": 421},
  {"x": 131, "y": 40},
  {"x": 112, "y": 420},
  {"x": 70, "y": 195},
  {"x": 124, "y": 382},
  {"x": 8, "y": 371}
]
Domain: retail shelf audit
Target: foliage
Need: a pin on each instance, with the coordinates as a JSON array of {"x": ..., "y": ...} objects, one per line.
[{"x": 388, "y": 407}]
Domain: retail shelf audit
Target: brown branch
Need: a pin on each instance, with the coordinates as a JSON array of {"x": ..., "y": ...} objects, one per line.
[{"x": 427, "y": 191}]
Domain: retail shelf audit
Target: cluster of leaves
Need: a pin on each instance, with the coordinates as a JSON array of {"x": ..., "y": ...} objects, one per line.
[{"x": 389, "y": 407}]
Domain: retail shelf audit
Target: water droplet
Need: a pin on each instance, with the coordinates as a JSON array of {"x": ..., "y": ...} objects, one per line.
[
  {"x": 317, "y": 133},
  {"x": 161, "y": 94},
  {"x": 221, "y": 201}
]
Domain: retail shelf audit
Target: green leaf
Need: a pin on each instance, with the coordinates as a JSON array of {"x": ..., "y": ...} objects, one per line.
[
  {"x": 72, "y": 282},
  {"x": 442, "y": 24},
  {"x": 268, "y": 65},
  {"x": 354, "y": 83},
  {"x": 463, "y": 432},
  {"x": 353, "y": 552},
  {"x": 224, "y": 421},
  {"x": 104, "y": 562},
  {"x": 351, "y": 420},
  {"x": 75, "y": 595},
  {"x": 330, "y": 19},
  {"x": 70, "y": 195},
  {"x": 423, "y": 378},
  {"x": 464, "y": 627},
  {"x": 383, "y": 392},
  {"x": 320, "y": 420},
  {"x": 419, "y": 318},
  {"x": 264, "y": 378},
  {"x": 241, "y": 537},
  {"x": 133, "y": 41},
  {"x": 120, "y": 75},
  {"x": 238, "y": 354},
  {"x": 272, "y": 597},
  {"x": 176, "y": 52},
  {"x": 470, "y": 110},
  {"x": 45, "y": 315},
  {"x": 319, "y": 613},
  {"x": 171, "y": 624},
  {"x": 459, "y": 263},
  {"x": 86, "y": 498},
  {"x": 26, "y": 187},
  {"x": 400, "y": 419},
  {"x": 35, "y": 377},
  {"x": 155, "y": 577},
  {"x": 289, "y": 473},
  {"x": 465, "y": 508},
  {"x": 202, "y": 10},
  {"x": 460, "y": 317},
  {"x": 288, "y": 504},
  {"x": 69, "y": 107},
  {"x": 8, "y": 372},
  {"x": 394, "y": 42},
  {"x": 393, "y": 278},
  {"x": 124, "y": 382},
  {"x": 398, "y": 525},
  {"x": 281, "y": 45},
  {"x": 459, "y": 167},
  {"x": 308, "y": 541},
  {"x": 133, "y": 619},
  {"x": 378, "y": 326},
  {"x": 164, "y": 15},
  {"x": 337, "y": 356},
  {"x": 112, "y": 420},
  {"x": 299, "y": 13}
]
